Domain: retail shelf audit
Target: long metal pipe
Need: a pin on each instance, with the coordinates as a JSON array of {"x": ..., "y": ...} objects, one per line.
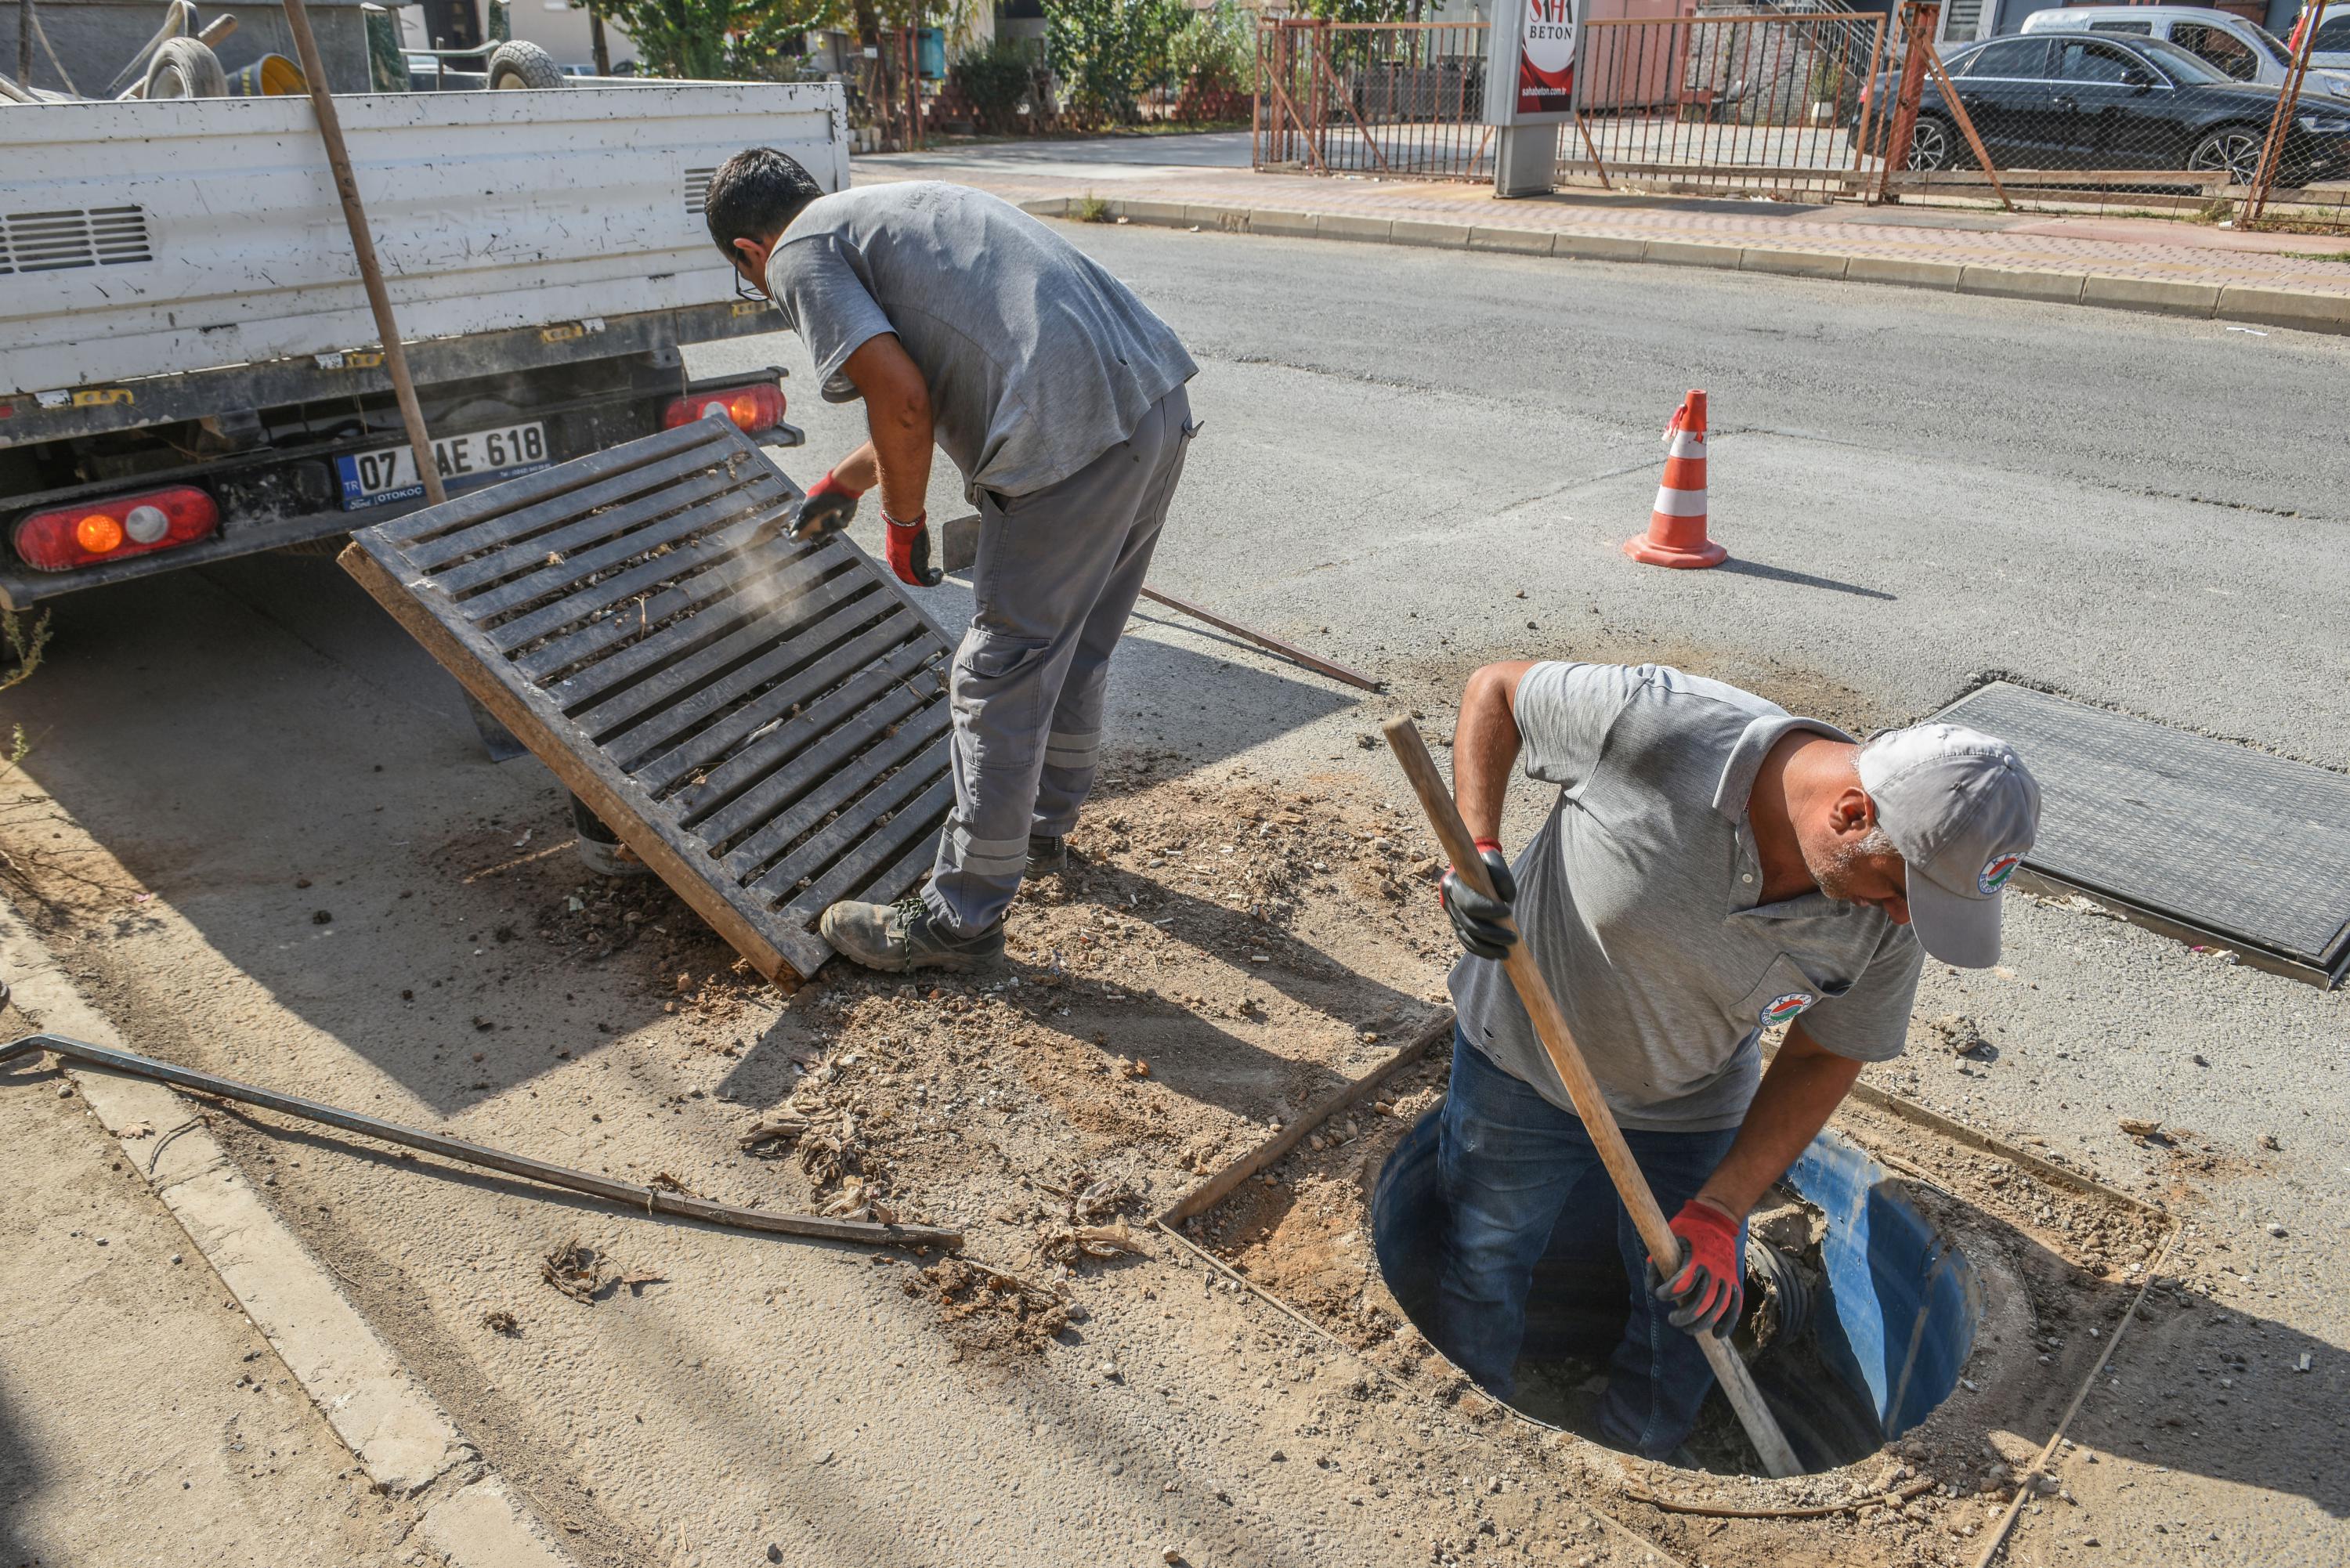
[
  {"x": 645, "y": 1200},
  {"x": 346, "y": 186}
]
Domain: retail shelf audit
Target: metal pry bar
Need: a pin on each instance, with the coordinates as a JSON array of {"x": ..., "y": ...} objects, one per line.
[{"x": 646, "y": 1199}]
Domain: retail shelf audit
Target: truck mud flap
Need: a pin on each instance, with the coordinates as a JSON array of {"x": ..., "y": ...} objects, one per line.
[{"x": 764, "y": 723}]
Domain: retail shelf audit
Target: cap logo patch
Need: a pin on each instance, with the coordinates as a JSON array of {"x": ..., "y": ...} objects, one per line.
[
  {"x": 1785, "y": 1007},
  {"x": 1995, "y": 873}
]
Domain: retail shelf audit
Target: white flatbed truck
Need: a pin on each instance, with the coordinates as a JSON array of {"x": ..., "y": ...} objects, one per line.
[{"x": 188, "y": 366}]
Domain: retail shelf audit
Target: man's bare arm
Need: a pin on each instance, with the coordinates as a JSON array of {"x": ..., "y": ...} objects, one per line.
[
  {"x": 1485, "y": 746},
  {"x": 898, "y": 413},
  {"x": 1804, "y": 1085}
]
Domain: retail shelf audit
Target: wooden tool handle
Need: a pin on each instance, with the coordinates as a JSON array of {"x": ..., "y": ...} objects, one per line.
[{"x": 1550, "y": 1027}]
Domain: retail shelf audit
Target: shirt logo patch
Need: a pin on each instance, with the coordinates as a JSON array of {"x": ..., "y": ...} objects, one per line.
[
  {"x": 1995, "y": 873},
  {"x": 1785, "y": 1007}
]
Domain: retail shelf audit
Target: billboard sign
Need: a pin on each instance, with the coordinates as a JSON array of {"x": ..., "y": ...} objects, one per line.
[{"x": 1530, "y": 62}]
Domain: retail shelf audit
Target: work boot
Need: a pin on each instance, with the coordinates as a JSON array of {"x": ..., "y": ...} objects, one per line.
[
  {"x": 1048, "y": 854},
  {"x": 903, "y": 936}
]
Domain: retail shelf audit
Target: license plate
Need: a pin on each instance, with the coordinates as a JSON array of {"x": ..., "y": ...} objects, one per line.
[{"x": 466, "y": 462}]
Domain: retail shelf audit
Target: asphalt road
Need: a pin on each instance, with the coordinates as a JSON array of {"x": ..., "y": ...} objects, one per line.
[{"x": 1917, "y": 489}]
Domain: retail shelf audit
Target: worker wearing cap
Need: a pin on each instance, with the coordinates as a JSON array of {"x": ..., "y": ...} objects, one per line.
[
  {"x": 1713, "y": 867},
  {"x": 960, "y": 320}
]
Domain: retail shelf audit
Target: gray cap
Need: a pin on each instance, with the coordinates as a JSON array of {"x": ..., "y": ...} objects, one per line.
[{"x": 1962, "y": 809}]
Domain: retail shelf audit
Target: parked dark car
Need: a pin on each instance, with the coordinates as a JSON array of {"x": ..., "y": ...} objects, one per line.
[{"x": 2068, "y": 100}]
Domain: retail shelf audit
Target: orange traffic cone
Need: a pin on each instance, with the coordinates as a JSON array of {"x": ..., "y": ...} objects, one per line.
[{"x": 1676, "y": 535}]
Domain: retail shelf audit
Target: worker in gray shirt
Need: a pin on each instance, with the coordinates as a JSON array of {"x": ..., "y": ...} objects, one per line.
[
  {"x": 960, "y": 320},
  {"x": 1712, "y": 867}
]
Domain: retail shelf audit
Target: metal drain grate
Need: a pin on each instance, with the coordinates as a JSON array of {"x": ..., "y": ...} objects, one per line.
[
  {"x": 2197, "y": 837},
  {"x": 765, "y": 724}
]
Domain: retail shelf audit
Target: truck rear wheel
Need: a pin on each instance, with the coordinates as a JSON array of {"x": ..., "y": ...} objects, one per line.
[
  {"x": 520, "y": 63},
  {"x": 185, "y": 68}
]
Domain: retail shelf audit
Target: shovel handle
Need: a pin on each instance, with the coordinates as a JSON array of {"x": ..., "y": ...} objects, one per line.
[{"x": 1550, "y": 1027}]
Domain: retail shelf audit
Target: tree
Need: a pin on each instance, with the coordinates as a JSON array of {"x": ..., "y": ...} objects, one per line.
[
  {"x": 1109, "y": 52},
  {"x": 713, "y": 38}
]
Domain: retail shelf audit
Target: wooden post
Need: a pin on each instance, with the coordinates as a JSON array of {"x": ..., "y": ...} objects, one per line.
[
  {"x": 1550, "y": 1025},
  {"x": 1966, "y": 123},
  {"x": 597, "y": 47},
  {"x": 24, "y": 45},
  {"x": 1920, "y": 22},
  {"x": 2280, "y": 124},
  {"x": 346, "y": 186}
]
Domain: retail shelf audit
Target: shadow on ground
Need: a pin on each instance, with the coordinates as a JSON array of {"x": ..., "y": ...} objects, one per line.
[{"x": 264, "y": 751}]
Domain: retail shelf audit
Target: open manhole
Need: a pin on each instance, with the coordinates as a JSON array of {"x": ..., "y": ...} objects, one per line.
[{"x": 1860, "y": 1313}]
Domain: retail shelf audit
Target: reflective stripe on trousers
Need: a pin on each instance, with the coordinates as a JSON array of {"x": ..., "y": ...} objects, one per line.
[{"x": 1056, "y": 577}]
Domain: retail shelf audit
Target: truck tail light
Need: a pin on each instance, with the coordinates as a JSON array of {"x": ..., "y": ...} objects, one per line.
[
  {"x": 755, "y": 408},
  {"x": 84, "y": 536}
]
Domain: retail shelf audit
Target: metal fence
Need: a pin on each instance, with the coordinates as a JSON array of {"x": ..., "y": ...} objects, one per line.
[
  {"x": 1373, "y": 98},
  {"x": 1836, "y": 103},
  {"x": 1773, "y": 100}
]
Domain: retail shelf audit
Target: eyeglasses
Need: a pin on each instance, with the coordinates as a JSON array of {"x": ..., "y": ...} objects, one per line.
[{"x": 742, "y": 289}]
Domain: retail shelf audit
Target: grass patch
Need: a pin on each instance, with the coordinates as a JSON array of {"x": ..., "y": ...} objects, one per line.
[{"x": 1092, "y": 209}]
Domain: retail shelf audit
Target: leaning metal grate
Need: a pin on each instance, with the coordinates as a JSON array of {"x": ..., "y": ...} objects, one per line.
[
  {"x": 764, "y": 723},
  {"x": 2201, "y": 837}
]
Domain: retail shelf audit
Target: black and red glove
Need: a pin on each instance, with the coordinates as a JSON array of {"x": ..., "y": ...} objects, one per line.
[
  {"x": 909, "y": 550},
  {"x": 1708, "y": 1289},
  {"x": 1482, "y": 923},
  {"x": 826, "y": 509}
]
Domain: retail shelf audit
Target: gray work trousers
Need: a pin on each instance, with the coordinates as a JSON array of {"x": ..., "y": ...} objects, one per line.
[{"x": 1057, "y": 574}]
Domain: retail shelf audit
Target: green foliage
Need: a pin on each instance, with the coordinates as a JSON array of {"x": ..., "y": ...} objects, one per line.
[
  {"x": 1216, "y": 49},
  {"x": 1359, "y": 10},
  {"x": 717, "y": 39},
  {"x": 1092, "y": 209},
  {"x": 1109, "y": 52},
  {"x": 995, "y": 78}
]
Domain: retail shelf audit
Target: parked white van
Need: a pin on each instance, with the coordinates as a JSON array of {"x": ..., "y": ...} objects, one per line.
[
  {"x": 2246, "y": 51},
  {"x": 2332, "y": 19}
]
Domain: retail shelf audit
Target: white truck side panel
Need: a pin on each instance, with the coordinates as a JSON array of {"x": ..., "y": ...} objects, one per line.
[{"x": 491, "y": 209}]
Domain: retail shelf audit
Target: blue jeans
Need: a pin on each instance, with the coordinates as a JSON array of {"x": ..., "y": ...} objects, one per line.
[{"x": 1515, "y": 1168}]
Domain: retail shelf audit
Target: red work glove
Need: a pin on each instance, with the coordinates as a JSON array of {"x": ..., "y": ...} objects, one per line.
[
  {"x": 909, "y": 550},
  {"x": 1707, "y": 1288},
  {"x": 826, "y": 509}
]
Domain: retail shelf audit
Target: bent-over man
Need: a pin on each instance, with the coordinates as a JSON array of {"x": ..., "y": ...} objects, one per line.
[
  {"x": 1713, "y": 866},
  {"x": 960, "y": 320}
]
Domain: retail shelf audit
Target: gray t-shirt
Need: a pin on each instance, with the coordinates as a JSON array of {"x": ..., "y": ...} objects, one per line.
[
  {"x": 1638, "y": 898},
  {"x": 1038, "y": 359}
]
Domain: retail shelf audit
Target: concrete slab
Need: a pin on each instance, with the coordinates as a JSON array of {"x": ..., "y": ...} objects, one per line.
[
  {"x": 1793, "y": 263},
  {"x": 1353, "y": 226},
  {"x": 1420, "y": 232},
  {"x": 2159, "y": 295},
  {"x": 1600, "y": 247},
  {"x": 1904, "y": 272},
  {"x": 1516, "y": 242},
  {"x": 1290, "y": 225},
  {"x": 1166, "y": 214},
  {"x": 1684, "y": 252},
  {"x": 2283, "y": 307},
  {"x": 2018, "y": 283}
]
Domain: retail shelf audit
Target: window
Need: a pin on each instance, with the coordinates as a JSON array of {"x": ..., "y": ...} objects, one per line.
[
  {"x": 2143, "y": 30},
  {"x": 2221, "y": 47},
  {"x": 2333, "y": 35},
  {"x": 2016, "y": 59},
  {"x": 2085, "y": 60},
  {"x": 2176, "y": 63}
]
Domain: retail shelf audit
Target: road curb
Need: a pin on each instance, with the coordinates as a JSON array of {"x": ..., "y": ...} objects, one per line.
[
  {"x": 397, "y": 1432},
  {"x": 2299, "y": 310}
]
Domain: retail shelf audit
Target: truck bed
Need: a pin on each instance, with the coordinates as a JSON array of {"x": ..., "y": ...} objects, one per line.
[{"x": 146, "y": 240}]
